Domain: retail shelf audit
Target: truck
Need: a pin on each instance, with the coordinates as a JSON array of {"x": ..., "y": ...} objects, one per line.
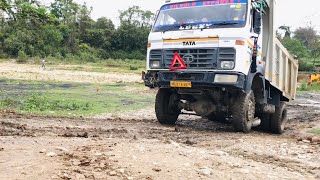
[{"x": 221, "y": 60}]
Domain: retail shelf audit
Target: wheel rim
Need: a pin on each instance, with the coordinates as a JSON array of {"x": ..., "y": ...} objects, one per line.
[{"x": 283, "y": 119}]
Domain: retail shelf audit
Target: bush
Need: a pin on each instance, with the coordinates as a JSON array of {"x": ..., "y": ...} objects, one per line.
[
  {"x": 22, "y": 57},
  {"x": 304, "y": 66},
  {"x": 303, "y": 86},
  {"x": 133, "y": 68}
]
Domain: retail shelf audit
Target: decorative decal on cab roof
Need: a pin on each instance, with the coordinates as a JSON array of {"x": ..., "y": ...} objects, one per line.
[{"x": 201, "y": 3}]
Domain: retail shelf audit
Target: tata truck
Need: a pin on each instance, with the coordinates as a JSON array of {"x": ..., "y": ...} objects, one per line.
[{"x": 221, "y": 60}]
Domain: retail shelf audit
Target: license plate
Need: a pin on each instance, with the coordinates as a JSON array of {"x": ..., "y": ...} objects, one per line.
[{"x": 180, "y": 84}]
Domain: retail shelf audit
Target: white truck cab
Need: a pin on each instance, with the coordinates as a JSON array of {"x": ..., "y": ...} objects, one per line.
[{"x": 220, "y": 59}]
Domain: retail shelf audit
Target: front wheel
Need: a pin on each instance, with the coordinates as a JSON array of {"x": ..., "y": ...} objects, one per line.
[
  {"x": 243, "y": 112},
  {"x": 166, "y": 106}
]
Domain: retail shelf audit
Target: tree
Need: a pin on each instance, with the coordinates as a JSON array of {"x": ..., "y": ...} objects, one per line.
[
  {"x": 315, "y": 50},
  {"x": 295, "y": 47},
  {"x": 308, "y": 35}
]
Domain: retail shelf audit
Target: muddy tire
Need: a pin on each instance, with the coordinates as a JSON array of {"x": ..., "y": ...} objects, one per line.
[
  {"x": 166, "y": 107},
  {"x": 243, "y": 112},
  {"x": 279, "y": 119}
]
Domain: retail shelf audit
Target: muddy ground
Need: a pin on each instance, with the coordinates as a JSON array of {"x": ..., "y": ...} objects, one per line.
[{"x": 136, "y": 146}]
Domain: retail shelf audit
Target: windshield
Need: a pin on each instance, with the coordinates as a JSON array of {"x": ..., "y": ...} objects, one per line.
[{"x": 201, "y": 14}]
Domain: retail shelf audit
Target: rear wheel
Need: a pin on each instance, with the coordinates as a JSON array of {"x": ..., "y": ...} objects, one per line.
[
  {"x": 279, "y": 119},
  {"x": 243, "y": 112},
  {"x": 166, "y": 106}
]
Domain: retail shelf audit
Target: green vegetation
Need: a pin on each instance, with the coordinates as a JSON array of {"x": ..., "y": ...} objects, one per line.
[
  {"x": 65, "y": 99},
  {"x": 110, "y": 65},
  {"x": 64, "y": 30},
  {"x": 312, "y": 87},
  {"x": 305, "y": 44},
  {"x": 315, "y": 131}
]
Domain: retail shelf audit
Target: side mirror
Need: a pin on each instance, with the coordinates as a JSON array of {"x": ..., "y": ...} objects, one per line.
[{"x": 257, "y": 22}]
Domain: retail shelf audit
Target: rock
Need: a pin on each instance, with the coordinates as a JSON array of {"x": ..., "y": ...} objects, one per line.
[
  {"x": 98, "y": 154},
  {"x": 76, "y": 162},
  {"x": 1, "y": 149},
  {"x": 135, "y": 137},
  {"x": 240, "y": 140},
  {"x": 306, "y": 141},
  {"x": 309, "y": 138},
  {"x": 302, "y": 156},
  {"x": 188, "y": 142},
  {"x": 66, "y": 176},
  {"x": 42, "y": 151},
  {"x": 130, "y": 178},
  {"x": 220, "y": 153},
  {"x": 80, "y": 177},
  {"x": 121, "y": 171},
  {"x": 51, "y": 154},
  {"x": 83, "y": 135},
  {"x": 174, "y": 143},
  {"x": 315, "y": 140},
  {"x": 156, "y": 169},
  {"x": 62, "y": 149},
  {"x": 112, "y": 173},
  {"x": 99, "y": 175},
  {"x": 206, "y": 171}
]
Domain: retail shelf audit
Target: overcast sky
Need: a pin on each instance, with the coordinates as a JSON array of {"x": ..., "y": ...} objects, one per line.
[{"x": 289, "y": 12}]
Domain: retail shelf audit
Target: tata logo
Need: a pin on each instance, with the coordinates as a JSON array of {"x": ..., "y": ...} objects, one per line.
[
  {"x": 189, "y": 43},
  {"x": 188, "y": 58}
]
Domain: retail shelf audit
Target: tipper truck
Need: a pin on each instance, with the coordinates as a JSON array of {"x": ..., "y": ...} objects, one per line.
[{"x": 220, "y": 59}]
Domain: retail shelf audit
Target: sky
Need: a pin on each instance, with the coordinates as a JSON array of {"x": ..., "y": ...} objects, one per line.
[{"x": 294, "y": 13}]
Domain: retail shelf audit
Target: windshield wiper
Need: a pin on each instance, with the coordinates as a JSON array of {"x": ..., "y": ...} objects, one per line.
[
  {"x": 184, "y": 25},
  {"x": 219, "y": 24}
]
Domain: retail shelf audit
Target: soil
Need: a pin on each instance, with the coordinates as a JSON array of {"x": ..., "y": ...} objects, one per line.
[
  {"x": 34, "y": 72},
  {"x": 135, "y": 146}
]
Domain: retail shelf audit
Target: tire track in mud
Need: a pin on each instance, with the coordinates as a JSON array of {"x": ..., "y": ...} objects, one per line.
[{"x": 290, "y": 164}]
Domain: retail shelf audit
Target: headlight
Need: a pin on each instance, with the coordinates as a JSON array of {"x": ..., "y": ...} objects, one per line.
[
  {"x": 225, "y": 78},
  {"x": 155, "y": 64},
  {"x": 227, "y": 64}
]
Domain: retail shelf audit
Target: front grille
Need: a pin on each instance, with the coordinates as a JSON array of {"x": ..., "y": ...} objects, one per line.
[
  {"x": 193, "y": 58},
  {"x": 227, "y": 54},
  {"x": 183, "y": 77},
  {"x": 156, "y": 55}
]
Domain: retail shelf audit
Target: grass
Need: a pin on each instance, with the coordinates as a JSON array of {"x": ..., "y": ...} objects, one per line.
[
  {"x": 104, "y": 66},
  {"x": 313, "y": 87},
  {"x": 315, "y": 131},
  {"x": 71, "y": 100}
]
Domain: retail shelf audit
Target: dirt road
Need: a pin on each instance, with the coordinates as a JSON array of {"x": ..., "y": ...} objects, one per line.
[{"x": 135, "y": 146}]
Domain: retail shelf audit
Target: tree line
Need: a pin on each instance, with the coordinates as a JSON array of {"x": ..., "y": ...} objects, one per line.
[
  {"x": 304, "y": 43},
  {"x": 65, "y": 30}
]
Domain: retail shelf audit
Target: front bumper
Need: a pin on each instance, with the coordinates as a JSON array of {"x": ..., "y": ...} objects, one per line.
[{"x": 198, "y": 79}]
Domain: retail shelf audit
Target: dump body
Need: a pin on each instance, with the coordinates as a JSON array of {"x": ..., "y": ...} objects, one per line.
[{"x": 282, "y": 70}]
